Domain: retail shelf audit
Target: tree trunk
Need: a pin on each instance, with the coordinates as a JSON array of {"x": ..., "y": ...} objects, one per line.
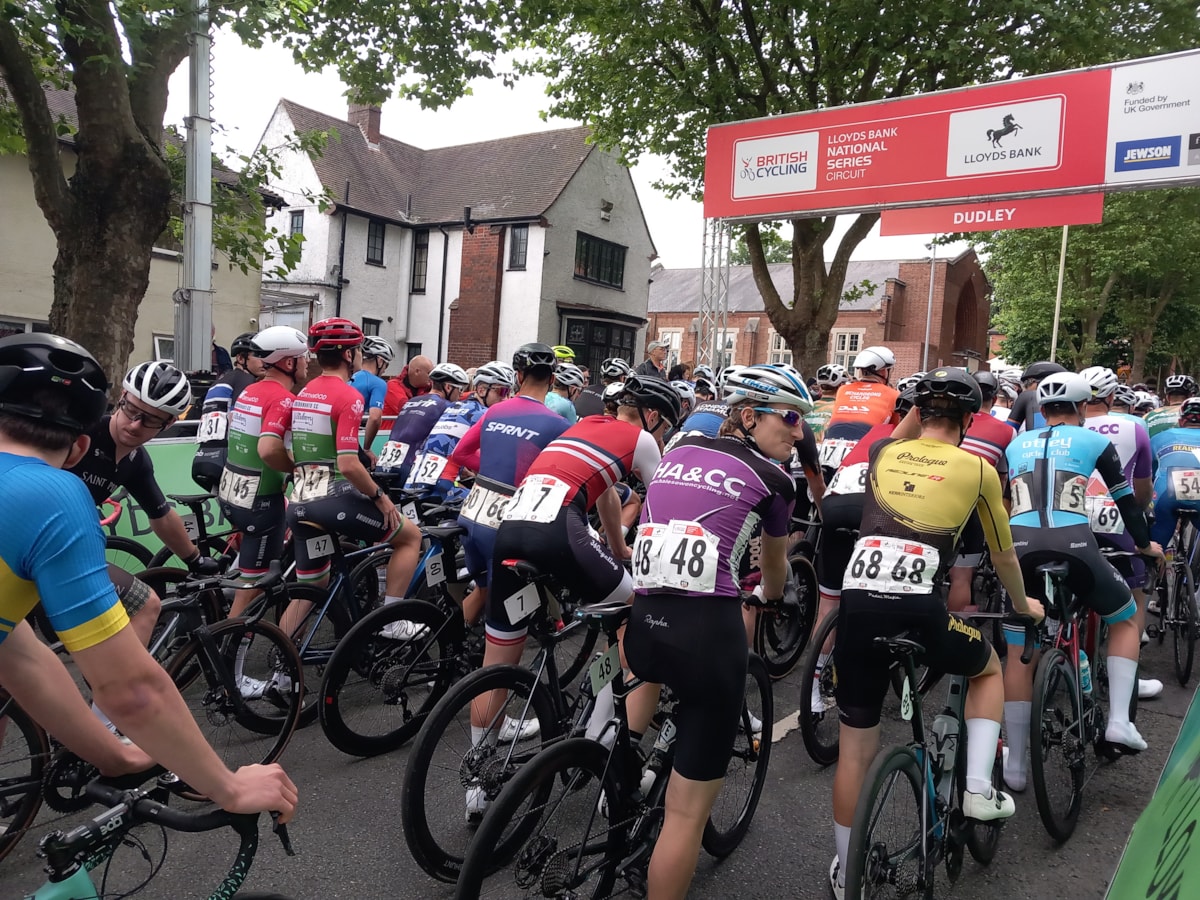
[{"x": 1141, "y": 341}]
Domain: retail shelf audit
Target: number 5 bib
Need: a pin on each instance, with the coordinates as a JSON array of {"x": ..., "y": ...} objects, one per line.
[{"x": 891, "y": 566}]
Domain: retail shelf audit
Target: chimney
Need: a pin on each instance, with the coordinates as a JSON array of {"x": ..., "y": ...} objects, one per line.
[{"x": 367, "y": 120}]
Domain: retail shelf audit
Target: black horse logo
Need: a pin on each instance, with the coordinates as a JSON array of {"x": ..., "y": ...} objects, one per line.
[{"x": 1010, "y": 126}]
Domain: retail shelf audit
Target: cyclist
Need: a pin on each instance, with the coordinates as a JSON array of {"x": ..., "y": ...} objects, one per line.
[
  {"x": 1144, "y": 403},
  {"x": 703, "y": 383},
  {"x": 212, "y": 432},
  {"x": 52, "y": 392},
  {"x": 252, "y": 483},
  {"x": 867, "y": 400},
  {"x": 829, "y": 378},
  {"x": 1025, "y": 414},
  {"x": 417, "y": 417},
  {"x": 590, "y": 401},
  {"x": 377, "y": 355},
  {"x": 1177, "y": 454},
  {"x": 706, "y": 418},
  {"x": 334, "y": 493},
  {"x": 1008, "y": 390},
  {"x": 1123, "y": 400},
  {"x": 563, "y": 353},
  {"x": 1049, "y": 468},
  {"x": 910, "y": 526},
  {"x": 566, "y": 387},
  {"x": 1178, "y": 388},
  {"x": 687, "y": 399},
  {"x": 686, "y": 628}
]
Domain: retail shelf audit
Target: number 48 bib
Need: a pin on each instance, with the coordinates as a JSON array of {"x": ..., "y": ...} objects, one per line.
[
  {"x": 891, "y": 566},
  {"x": 680, "y": 555}
]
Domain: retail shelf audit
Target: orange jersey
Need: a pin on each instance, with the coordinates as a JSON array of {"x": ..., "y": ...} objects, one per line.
[{"x": 863, "y": 404}]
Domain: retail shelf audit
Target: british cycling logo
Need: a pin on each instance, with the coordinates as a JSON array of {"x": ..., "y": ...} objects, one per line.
[
  {"x": 771, "y": 165},
  {"x": 1147, "y": 153}
]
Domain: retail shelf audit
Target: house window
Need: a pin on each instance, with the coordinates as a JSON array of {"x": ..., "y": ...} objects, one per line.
[
  {"x": 518, "y": 246},
  {"x": 778, "y": 353},
  {"x": 297, "y": 225},
  {"x": 371, "y": 326},
  {"x": 420, "y": 262},
  {"x": 594, "y": 341},
  {"x": 674, "y": 337},
  {"x": 599, "y": 261},
  {"x": 413, "y": 350},
  {"x": 727, "y": 350},
  {"x": 375, "y": 233},
  {"x": 164, "y": 347},
  {"x": 17, "y": 326},
  {"x": 844, "y": 347}
]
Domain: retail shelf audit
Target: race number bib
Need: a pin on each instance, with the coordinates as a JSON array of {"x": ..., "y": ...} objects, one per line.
[
  {"x": 1070, "y": 493},
  {"x": 680, "y": 554},
  {"x": 312, "y": 483},
  {"x": 849, "y": 480},
  {"x": 428, "y": 469},
  {"x": 392, "y": 455},
  {"x": 1103, "y": 516},
  {"x": 1186, "y": 483},
  {"x": 320, "y": 546},
  {"x": 484, "y": 507},
  {"x": 538, "y": 499},
  {"x": 191, "y": 526},
  {"x": 834, "y": 450},
  {"x": 1022, "y": 496},
  {"x": 213, "y": 427},
  {"x": 891, "y": 566},
  {"x": 238, "y": 489}
]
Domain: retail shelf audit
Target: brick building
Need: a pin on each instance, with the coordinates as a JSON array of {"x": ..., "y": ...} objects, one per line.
[{"x": 892, "y": 314}]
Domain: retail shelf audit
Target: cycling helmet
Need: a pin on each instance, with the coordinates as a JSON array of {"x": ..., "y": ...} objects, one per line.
[
  {"x": 686, "y": 392},
  {"x": 906, "y": 400},
  {"x": 951, "y": 386},
  {"x": 534, "y": 356},
  {"x": 769, "y": 384},
  {"x": 703, "y": 373},
  {"x": 334, "y": 334},
  {"x": 832, "y": 374},
  {"x": 280, "y": 342},
  {"x": 1189, "y": 411},
  {"x": 563, "y": 353},
  {"x": 1124, "y": 395},
  {"x": 1101, "y": 379},
  {"x": 160, "y": 386},
  {"x": 1181, "y": 384},
  {"x": 449, "y": 372},
  {"x": 243, "y": 343},
  {"x": 1010, "y": 377},
  {"x": 652, "y": 393},
  {"x": 705, "y": 387},
  {"x": 496, "y": 373},
  {"x": 1144, "y": 401},
  {"x": 873, "y": 358},
  {"x": 988, "y": 384},
  {"x": 612, "y": 392},
  {"x": 910, "y": 381},
  {"x": 723, "y": 379},
  {"x": 31, "y": 363},
  {"x": 1063, "y": 387},
  {"x": 568, "y": 375},
  {"x": 373, "y": 345},
  {"x": 1039, "y": 370},
  {"x": 615, "y": 367}
]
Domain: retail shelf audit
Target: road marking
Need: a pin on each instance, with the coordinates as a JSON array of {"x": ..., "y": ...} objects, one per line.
[{"x": 785, "y": 726}]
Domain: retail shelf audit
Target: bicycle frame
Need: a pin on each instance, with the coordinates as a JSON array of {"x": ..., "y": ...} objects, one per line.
[{"x": 1059, "y": 597}]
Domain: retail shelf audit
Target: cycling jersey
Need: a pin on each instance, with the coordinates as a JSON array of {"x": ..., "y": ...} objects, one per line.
[
  {"x": 859, "y": 405},
  {"x": 1177, "y": 483},
  {"x": 987, "y": 438},
  {"x": 1128, "y": 436},
  {"x": 213, "y": 427},
  {"x": 263, "y": 409},
  {"x": 1025, "y": 413},
  {"x": 432, "y": 472},
  {"x": 818, "y": 418},
  {"x": 371, "y": 386},
  {"x": 850, "y": 477},
  {"x": 413, "y": 424},
  {"x": 52, "y": 552},
  {"x": 102, "y": 474},
  {"x": 324, "y": 421},
  {"x": 562, "y": 406},
  {"x": 1160, "y": 420},
  {"x": 590, "y": 401}
]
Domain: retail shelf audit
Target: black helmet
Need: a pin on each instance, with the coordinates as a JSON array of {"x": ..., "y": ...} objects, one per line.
[
  {"x": 1039, "y": 370},
  {"x": 32, "y": 362},
  {"x": 653, "y": 393},
  {"x": 243, "y": 343},
  {"x": 534, "y": 356},
  {"x": 906, "y": 399},
  {"x": 952, "y": 383},
  {"x": 987, "y": 383}
]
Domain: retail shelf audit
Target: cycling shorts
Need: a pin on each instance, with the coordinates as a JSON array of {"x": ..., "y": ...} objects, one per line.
[
  {"x": 1131, "y": 567},
  {"x": 697, "y": 647},
  {"x": 951, "y": 645},
  {"x": 624, "y": 492},
  {"x": 207, "y": 466},
  {"x": 841, "y": 514},
  {"x": 345, "y": 511},
  {"x": 263, "y": 528},
  {"x": 1090, "y": 576},
  {"x": 1166, "y": 503},
  {"x": 132, "y": 592},
  {"x": 567, "y": 550}
]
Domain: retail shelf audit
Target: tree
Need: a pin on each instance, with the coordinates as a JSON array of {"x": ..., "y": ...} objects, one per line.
[{"x": 776, "y": 249}]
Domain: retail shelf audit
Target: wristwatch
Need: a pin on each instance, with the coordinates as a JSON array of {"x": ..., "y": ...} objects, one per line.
[{"x": 378, "y": 492}]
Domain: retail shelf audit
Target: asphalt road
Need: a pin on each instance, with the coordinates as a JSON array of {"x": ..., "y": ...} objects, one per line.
[{"x": 347, "y": 830}]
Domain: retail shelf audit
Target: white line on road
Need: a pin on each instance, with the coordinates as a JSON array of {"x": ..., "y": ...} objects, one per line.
[{"x": 785, "y": 726}]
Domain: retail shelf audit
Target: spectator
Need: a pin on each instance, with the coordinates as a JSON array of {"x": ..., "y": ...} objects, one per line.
[
  {"x": 656, "y": 353},
  {"x": 680, "y": 372},
  {"x": 222, "y": 362},
  {"x": 412, "y": 381}
]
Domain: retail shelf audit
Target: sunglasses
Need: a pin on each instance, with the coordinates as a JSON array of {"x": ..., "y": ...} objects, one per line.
[
  {"x": 137, "y": 416},
  {"x": 790, "y": 417}
]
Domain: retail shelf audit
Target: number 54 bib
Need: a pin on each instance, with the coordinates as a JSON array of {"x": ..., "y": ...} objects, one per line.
[{"x": 891, "y": 566}]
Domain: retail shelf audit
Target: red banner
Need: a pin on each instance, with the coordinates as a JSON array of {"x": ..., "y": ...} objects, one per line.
[{"x": 1034, "y": 212}]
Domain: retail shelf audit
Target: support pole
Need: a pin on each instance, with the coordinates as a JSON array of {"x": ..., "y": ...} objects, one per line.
[
  {"x": 929, "y": 305},
  {"x": 1062, "y": 266}
]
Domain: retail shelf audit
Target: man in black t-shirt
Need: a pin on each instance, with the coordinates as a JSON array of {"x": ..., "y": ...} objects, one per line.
[{"x": 214, "y": 415}]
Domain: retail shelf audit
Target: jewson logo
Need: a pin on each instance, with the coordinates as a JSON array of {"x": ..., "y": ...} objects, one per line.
[
  {"x": 781, "y": 164},
  {"x": 1148, "y": 153}
]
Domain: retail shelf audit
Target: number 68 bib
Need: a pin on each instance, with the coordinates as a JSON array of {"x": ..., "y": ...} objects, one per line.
[
  {"x": 891, "y": 566},
  {"x": 680, "y": 555}
]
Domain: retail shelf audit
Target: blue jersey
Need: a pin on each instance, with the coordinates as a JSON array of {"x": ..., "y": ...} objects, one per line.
[
  {"x": 1176, "y": 484},
  {"x": 412, "y": 426},
  {"x": 372, "y": 387},
  {"x": 52, "y": 551},
  {"x": 1176, "y": 448},
  {"x": 432, "y": 471},
  {"x": 1049, "y": 469},
  {"x": 562, "y": 406},
  {"x": 704, "y": 420}
]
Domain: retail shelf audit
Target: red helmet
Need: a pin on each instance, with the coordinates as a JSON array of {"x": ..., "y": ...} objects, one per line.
[{"x": 334, "y": 334}]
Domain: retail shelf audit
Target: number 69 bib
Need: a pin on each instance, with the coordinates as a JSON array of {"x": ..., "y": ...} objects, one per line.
[
  {"x": 891, "y": 566},
  {"x": 680, "y": 555}
]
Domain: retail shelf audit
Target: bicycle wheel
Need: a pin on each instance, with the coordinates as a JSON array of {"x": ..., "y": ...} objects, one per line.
[
  {"x": 446, "y": 758},
  {"x": 573, "y": 650},
  {"x": 782, "y": 634},
  {"x": 24, "y": 752},
  {"x": 378, "y": 690},
  {"x": 982, "y": 837},
  {"x": 543, "y": 836},
  {"x": 887, "y": 840},
  {"x": 734, "y": 807},
  {"x": 1056, "y": 745},
  {"x": 258, "y": 658},
  {"x": 126, "y": 553},
  {"x": 316, "y": 641},
  {"x": 1183, "y": 624},
  {"x": 169, "y": 635},
  {"x": 819, "y": 725}
]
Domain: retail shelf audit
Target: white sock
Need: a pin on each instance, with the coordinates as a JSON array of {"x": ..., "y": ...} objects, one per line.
[
  {"x": 982, "y": 735},
  {"x": 1016, "y": 727},
  {"x": 388, "y": 601},
  {"x": 1122, "y": 682},
  {"x": 841, "y": 839},
  {"x": 478, "y": 733}
]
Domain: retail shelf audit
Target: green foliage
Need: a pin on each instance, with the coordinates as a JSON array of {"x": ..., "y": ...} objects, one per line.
[{"x": 776, "y": 248}]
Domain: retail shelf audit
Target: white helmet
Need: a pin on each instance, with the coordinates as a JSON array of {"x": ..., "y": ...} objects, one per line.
[
  {"x": 374, "y": 345},
  {"x": 832, "y": 375},
  {"x": 160, "y": 386},
  {"x": 686, "y": 392},
  {"x": 1063, "y": 387},
  {"x": 724, "y": 376},
  {"x": 615, "y": 367},
  {"x": 568, "y": 375},
  {"x": 1101, "y": 379},
  {"x": 456, "y": 375},
  {"x": 911, "y": 381},
  {"x": 279, "y": 342},
  {"x": 768, "y": 384},
  {"x": 613, "y": 391},
  {"x": 872, "y": 358},
  {"x": 496, "y": 373},
  {"x": 1145, "y": 400}
]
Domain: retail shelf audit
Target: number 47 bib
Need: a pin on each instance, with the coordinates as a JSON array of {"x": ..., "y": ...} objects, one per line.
[{"x": 891, "y": 566}]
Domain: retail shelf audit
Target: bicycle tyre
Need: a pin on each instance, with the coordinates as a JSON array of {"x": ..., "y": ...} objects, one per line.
[
  {"x": 782, "y": 634},
  {"x": 263, "y": 729},
  {"x": 820, "y": 739},
  {"x": 983, "y": 838},
  {"x": 364, "y": 704},
  {"x": 573, "y": 653},
  {"x": 316, "y": 658},
  {"x": 1183, "y": 625},
  {"x": 436, "y": 847},
  {"x": 894, "y": 772},
  {"x": 22, "y": 772},
  {"x": 164, "y": 581},
  {"x": 1050, "y": 731},
  {"x": 751, "y": 755},
  {"x": 126, "y": 553}
]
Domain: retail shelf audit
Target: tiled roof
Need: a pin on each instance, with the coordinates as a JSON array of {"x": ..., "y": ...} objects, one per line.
[
  {"x": 507, "y": 178},
  {"x": 679, "y": 290}
]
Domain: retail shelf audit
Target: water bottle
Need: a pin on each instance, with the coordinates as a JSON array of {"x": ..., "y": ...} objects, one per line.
[
  {"x": 1085, "y": 673},
  {"x": 945, "y": 735}
]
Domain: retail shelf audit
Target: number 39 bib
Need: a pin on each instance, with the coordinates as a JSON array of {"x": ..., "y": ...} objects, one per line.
[
  {"x": 680, "y": 555},
  {"x": 891, "y": 566}
]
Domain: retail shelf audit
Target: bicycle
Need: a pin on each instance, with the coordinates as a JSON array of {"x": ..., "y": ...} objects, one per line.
[
  {"x": 445, "y": 758},
  {"x": 574, "y": 823},
  {"x": 898, "y": 852},
  {"x": 24, "y": 755},
  {"x": 1177, "y": 610},
  {"x": 222, "y": 547},
  {"x": 782, "y": 631}
]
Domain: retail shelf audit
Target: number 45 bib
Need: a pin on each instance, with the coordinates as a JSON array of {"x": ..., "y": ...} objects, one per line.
[
  {"x": 680, "y": 555},
  {"x": 891, "y": 566}
]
